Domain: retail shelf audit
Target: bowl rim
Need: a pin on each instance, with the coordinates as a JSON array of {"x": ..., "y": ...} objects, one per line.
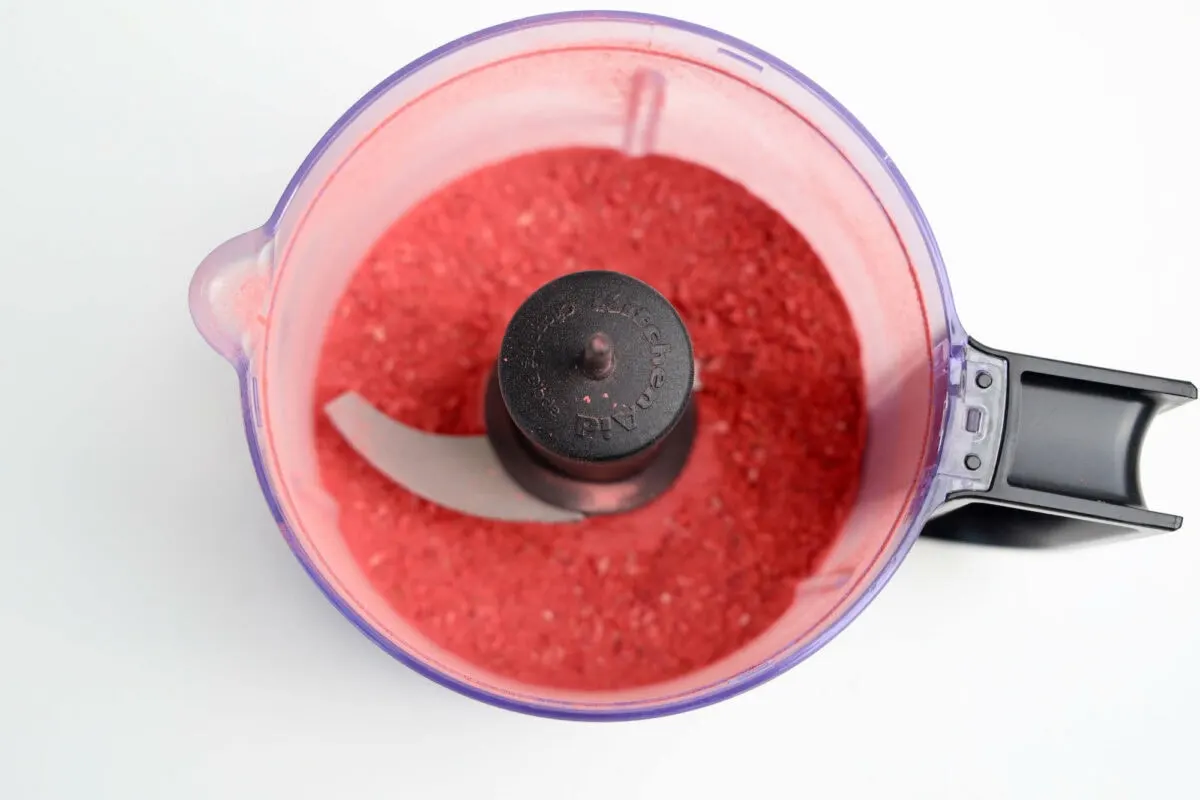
[{"x": 923, "y": 495}]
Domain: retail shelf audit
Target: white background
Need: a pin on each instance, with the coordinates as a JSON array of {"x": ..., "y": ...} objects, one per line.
[{"x": 159, "y": 640}]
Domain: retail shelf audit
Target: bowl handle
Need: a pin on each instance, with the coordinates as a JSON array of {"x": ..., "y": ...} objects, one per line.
[{"x": 1045, "y": 453}]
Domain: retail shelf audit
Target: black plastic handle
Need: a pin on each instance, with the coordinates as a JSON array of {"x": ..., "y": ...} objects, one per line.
[{"x": 1066, "y": 468}]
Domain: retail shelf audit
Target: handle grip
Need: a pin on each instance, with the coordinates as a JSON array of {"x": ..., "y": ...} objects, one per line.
[{"x": 1059, "y": 464}]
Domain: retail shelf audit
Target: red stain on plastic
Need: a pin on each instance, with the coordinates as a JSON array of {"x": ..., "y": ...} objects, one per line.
[
  {"x": 247, "y": 302},
  {"x": 633, "y": 599}
]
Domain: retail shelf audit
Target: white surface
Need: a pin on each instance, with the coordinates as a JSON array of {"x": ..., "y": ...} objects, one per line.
[{"x": 161, "y": 642}]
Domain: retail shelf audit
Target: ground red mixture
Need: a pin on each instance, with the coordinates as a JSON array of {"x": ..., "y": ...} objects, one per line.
[{"x": 621, "y": 601}]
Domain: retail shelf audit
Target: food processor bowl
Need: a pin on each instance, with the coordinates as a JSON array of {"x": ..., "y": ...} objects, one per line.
[{"x": 640, "y": 84}]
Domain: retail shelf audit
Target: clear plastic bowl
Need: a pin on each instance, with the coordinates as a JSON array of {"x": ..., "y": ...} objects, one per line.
[{"x": 640, "y": 83}]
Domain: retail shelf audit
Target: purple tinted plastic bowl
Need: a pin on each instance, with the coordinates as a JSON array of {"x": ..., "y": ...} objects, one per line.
[{"x": 946, "y": 344}]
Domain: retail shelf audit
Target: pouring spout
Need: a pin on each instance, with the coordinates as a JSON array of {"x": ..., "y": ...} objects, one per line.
[{"x": 229, "y": 293}]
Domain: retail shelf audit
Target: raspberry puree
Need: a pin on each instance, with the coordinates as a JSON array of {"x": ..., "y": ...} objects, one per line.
[{"x": 632, "y": 599}]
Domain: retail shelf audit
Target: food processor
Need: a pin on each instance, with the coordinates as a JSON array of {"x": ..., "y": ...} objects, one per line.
[{"x": 964, "y": 441}]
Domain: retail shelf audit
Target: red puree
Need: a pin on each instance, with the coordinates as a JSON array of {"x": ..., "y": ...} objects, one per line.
[{"x": 627, "y": 600}]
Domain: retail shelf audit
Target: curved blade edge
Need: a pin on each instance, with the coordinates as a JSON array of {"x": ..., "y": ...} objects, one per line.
[{"x": 461, "y": 473}]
